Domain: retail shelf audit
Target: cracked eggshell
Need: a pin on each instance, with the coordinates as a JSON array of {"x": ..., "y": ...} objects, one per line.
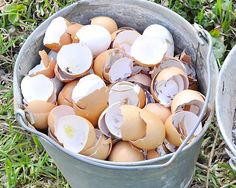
[
  {"x": 127, "y": 93},
  {"x": 56, "y": 113},
  {"x": 56, "y": 35},
  {"x": 72, "y": 30},
  {"x": 113, "y": 65},
  {"x": 62, "y": 76},
  {"x": 142, "y": 79},
  {"x": 154, "y": 133},
  {"x": 75, "y": 60},
  {"x": 179, "y": 125},
  {"x": 125, "y": 39},
  {"x": 46, "y": 66},
  {"x": 148, "y": 51},
  {"x": 106, "y": 22},
  {"x": 188, "y": 100},
  {"x": 40, "y": 111},
  {"x": 125, "y": 152},
  {"x": 96, "y": 37},
  {"x": 37, "y": 87},
  {"x": 159, "y": 31},
  {"x": 76, "y": 133},
  {"x": 90, "y": 97},
  {"x": 159, "y": 110},
  {"x": 64, "y": 97},
  {"x": 168, "y": 83},
  {"x": 158, "y": 152},
  {"x": 101, "y": 149},
  {"x": 133, "y": 126}
]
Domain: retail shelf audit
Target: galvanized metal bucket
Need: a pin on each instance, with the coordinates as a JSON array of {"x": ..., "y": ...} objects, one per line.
[
  {"x": 173, "y": 170},
  {"x": 226, "y": 103}
]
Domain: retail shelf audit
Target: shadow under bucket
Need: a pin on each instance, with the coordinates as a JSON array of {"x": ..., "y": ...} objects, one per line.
[{"x": 85, "y": 172}]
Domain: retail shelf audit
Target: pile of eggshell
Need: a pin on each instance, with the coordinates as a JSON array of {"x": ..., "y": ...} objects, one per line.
[{"x": 112, "y": 93}]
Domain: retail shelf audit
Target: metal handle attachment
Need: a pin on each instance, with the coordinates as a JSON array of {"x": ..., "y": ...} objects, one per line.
[{"x": 203, "y": 38}]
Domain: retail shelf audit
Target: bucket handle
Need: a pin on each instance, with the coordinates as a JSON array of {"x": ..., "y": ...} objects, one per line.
[{"x": 203, "y": 38}]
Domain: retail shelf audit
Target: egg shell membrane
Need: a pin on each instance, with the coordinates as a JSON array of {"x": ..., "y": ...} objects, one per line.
[
  {"x": 38, "y": 87},
  {"x": 69, "y": 126},
  {"x": 72, "y": 30},
  {"x": 188, "y": 100},
  {"x": 64, "y": 97},
  {"x": 96, "y": 37},
  {"x": 156, "y": 30},
  {"x": 57, "y": 27},
  {"x": 115, "y": 33},
  {"x": 77, "y": 54},
  {"x": 179, "y": 125},
  {"x": 39, "y": 111},
  {"x": 127, "y": 93},
  {"x": 56, "y": 113},
  {"x": 91, "y": 106},
  {"x": 142, "y": 79},
  {"x": 154, "y": 133},
  {"x": 166, "y": 63},
  {"x": 105, "y": 22},
  {"x": 102, "y": 147},
  {"x": 125, "y": 39},
  {"x": 133, "y": 127},
  {"x": 146, "y": 56},
  {"x": 125, "y": 152},
  {"x": 161, "y": 111},
  {"x": 168, "y": 75}
]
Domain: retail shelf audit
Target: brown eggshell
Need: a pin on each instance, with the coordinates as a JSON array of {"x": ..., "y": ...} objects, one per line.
[
  {"x": 162, "y": 112},
  {"x": 101, "y": 149},
  {"x": 72, "y": 30},
  {"x": 64, "y": 97},
  {"x": 40, "y": 111},
  {"x": 61, "y": 76},
  {"x": 152, "y": 154},
  {"x": 56, "y": 113},
  {"x": 140, "y": 78},
  {"x": 155, "y": 131},
  {"x": 106, "y": 22},
  {"x": 125, "y": 152},
  {"x": 186, "y": 97},
  {"x": 91, "y": 106},
  {"x": 172, "y": 134},
  {"x": 133, "y": 126}
]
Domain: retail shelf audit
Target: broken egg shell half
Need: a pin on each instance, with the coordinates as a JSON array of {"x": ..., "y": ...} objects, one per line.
[
  {"x": 75, "y": 60},
  {"x": 38, "y": 87},
  {"x": 142, "y": 79},
  {"x": 179, "y": 125},
  {"x": 154, "y": 133},
  {"x": 72, "y": 30},
  {"x": 40, "y": 111},
  {"x": 159, "y": 31},
  {"x": 56, "y": 35},
  {"x": 90, "y": 98},
  {"x": 46, "y": 66},
  {"x": 106, "y": 22},
  {"x": 158, "y": 152},
  {"x": 56, "y": 113},
  {"x": 125, "y": 152},
  {"x": 96, "y": 37},
  {"x": 76, "y": 133},
  {"x": 53, "y": 137},
  {"x": 113, "y": 65},
  {"x": 101, "y": 149},
  {"x": 159, "y": 110},
  {"x": 168, "y": 83},
  {"x": 64, "y": 97},
  {"x": 61, "y": 75},
  {"x": 127, "y": 93},
  {"x": 115, "y": 33},
  {"x": 125, "y": 39},
  {"x": 188, "y": 100},
  {"x": 148, "y": 51},
  {"x": 168, "y": 147},
  {"x": 122, "y": 122},
  {"x": 168, "y": 62}
]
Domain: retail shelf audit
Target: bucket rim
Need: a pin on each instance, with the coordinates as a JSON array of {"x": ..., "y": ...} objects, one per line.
[{"x": 151, "y": 6}]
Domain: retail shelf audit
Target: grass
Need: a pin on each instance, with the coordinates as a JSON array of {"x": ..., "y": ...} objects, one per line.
[{"x": 24, "y": 162}]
